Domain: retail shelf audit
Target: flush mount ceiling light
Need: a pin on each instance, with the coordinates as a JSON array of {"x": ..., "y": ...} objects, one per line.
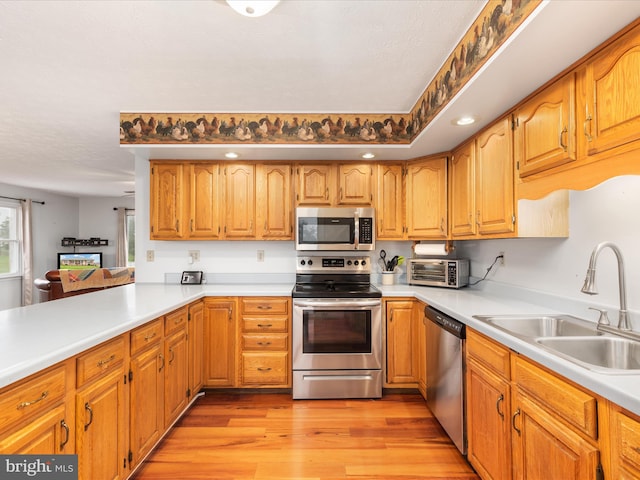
[
  {"x": 231, "y": 155},
  {"x": 464, "y": 120},
  {"x": 253, "y": 8},
  {"x": 368, "y": 156}
]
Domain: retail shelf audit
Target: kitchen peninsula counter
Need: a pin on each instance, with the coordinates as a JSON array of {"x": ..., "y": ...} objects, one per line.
[{"x": 36, "y": 337}]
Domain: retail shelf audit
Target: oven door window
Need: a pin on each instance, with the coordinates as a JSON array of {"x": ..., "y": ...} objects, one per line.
[
  {"x": 336, "y": 331},
  {"x": 314, "y": 230}
]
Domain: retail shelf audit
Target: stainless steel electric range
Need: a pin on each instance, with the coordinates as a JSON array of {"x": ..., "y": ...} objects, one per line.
[{"x": 337, "y": 329}]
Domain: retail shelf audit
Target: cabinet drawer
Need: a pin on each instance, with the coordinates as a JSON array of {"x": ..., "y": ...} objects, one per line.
[
  {"x": 489, "y": 353},
  {"x": 275, "y": 341},
  {"x": 265, "y": 368},
  {"x": 33, "y": 396},
  {"x": 265, "y": 305},
  {"x": 146, "y": 335},
  {"x": 175, "y": 320},
  {"x": 265, "y": 324},
  {"x": 100, "y": 360},
  {"x": 560, "y": 398}
]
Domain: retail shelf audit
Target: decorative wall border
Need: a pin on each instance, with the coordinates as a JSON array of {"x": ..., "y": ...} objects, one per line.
[{"x": 495, "y": 24}]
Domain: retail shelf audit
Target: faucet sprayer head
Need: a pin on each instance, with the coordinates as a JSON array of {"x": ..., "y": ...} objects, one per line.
[{"x": 589, "y": 286}]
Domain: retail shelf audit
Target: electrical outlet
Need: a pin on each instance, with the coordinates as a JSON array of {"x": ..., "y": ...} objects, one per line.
[
  {"x": 501, "y": 255},
  {"x": 260, "y": 255},
  {"x": 150, "y": 255},
  {"x": 194, "y": 254}
]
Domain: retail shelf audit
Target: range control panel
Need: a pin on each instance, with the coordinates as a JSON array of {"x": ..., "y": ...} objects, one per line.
[{"x": 332, "y": 264}]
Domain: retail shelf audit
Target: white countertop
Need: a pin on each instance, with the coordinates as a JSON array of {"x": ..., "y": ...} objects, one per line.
[{"x": 35, "y": 337}]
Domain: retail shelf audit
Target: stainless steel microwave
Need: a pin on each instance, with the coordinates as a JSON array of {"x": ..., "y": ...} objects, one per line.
[
  {"x": 438, "y": 272},
  {"x": 336, "y": 228}
]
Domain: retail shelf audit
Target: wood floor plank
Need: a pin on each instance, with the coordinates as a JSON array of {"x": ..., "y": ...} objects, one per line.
[{"x": 271, "y": 436}]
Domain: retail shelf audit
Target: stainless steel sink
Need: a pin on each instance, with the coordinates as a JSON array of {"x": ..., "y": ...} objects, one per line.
[
  {"x": 535, "y": 326},
  {"x": 605, "y": 354}
]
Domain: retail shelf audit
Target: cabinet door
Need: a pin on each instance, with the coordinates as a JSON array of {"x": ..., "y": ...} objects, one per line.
[
  {"x": 545, "y": 134},
  {"x": 427, "y": 199},
  {"x": 316, "y": 184},
  {"x": 544, "y": 448},
  {"x": 390, "y": 202},
  {"x": 355, "y": 184},
  {"x": 421, "y": 330},
  {"x": 624, "y": 437},
  {"x": 219, "y": 343},
  {"x": 167, "y": 201},
  {"x": 146, "y": 391},
  {"x": 462, "y": 203},
  {"x": 402, "y": 343},
  {"x": 495, "y": 201},
  {"x": 50, "y": 433},
  {"x": 612, "y": 91},
  {"x": 273, "y": 201},
  {"x": 240, "y": 201},
  {"x": 204, "y": 218},
  {"x": 101, "y": 416},
  {"x": 196, "y": 348},
  {"x": 176, "y": 376},
  {"x": 488, "y": 428}
]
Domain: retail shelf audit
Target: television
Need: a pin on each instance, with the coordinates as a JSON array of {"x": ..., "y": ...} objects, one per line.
[{"x": 79, "y": 261}]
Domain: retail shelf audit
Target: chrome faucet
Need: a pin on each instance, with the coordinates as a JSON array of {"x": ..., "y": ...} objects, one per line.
[{"x": 589, "y": 286}]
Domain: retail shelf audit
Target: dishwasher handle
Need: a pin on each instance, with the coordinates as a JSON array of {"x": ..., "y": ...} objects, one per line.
[{"x": 445, "y": 322}]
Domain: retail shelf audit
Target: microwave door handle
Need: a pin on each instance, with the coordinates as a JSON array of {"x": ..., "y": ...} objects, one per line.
[{"x": 356, "y": 231}]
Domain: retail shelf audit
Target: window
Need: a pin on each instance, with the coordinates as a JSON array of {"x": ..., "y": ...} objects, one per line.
[
  {"x": 10, "y": 236},
  {"x": 131, "y": 237}
]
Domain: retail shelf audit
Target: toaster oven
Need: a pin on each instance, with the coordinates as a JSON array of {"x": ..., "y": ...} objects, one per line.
[{"x": 438, "y": 272}]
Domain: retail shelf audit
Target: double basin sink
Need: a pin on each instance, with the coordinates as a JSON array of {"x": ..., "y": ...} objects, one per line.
[{"x": 574, "y": 339}]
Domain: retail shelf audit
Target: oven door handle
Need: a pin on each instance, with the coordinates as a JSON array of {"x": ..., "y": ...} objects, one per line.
[{"x": 340, "y": 305}]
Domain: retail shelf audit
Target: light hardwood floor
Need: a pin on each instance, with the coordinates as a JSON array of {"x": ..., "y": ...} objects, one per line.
[{"x": 271, "y": 436}]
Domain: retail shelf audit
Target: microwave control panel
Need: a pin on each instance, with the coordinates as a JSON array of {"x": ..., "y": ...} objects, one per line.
[{"x": 366, "y": 230}]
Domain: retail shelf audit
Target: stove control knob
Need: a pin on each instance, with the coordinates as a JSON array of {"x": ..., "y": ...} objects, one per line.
[
  {"x": 303, "y": 263},
  {"x": 310, "y": 262},
  {"x": 356, "y": 263},
  {"x": 348, "y": 262},
  {"x": 363, "y": 263}
]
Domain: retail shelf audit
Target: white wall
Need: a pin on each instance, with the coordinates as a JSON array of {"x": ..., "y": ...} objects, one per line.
[{"x": 607, "y": 212}]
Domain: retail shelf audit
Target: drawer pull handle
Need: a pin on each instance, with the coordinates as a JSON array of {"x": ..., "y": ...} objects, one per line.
[
  {"x": 65, "y": 427},
  {"x": 265, "y": 325},
  {"x": 264, "y": 344},
  {"x": 39, "y": 399},
  {"x": 87, "y": 407},
  {"x": 264, "y": 307},
  {"x": 264, "y": 369},
  {"x": 500, "y": 400},
  {"x": 103, "y": 363},
  {"x": 513, "y": 421},
  {"x": 149, "y": 337}
]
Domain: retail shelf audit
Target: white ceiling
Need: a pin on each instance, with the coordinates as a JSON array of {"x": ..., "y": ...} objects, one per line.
[{"x": 68, "y": 69}]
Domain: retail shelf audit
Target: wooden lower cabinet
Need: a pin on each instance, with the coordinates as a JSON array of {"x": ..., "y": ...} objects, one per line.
[
  {"x": 624, "y": 438},
  {"x": 421, "y": 328},
  {"x": 176, "y": 376},
  {"x": 220, "y": 326},
  {"x": 402, "y": 342},
  {"x": 195, "y": 340},
  {"x": 101, "y": 428},
  {"x": 524, "y": 422}
]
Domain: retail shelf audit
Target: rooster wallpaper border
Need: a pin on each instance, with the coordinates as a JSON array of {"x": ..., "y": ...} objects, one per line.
[{"x": 497, "y": 21}]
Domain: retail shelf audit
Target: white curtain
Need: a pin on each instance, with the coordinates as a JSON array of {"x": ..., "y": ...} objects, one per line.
[
  {"x": 27, "y": 254},
  {"x": 122, "y": 241}
]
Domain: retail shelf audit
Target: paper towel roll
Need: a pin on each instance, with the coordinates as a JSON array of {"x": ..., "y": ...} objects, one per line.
[{"x": 431, "y": 249}]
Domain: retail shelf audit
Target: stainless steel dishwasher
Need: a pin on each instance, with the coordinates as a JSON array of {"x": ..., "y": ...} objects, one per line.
[{"x": 445, "y": 374}]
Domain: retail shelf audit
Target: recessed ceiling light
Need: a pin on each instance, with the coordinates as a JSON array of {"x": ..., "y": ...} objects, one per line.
[
  {"x": 231, "y": 155},
  {"x": 253, "y": 8},
  {"x": 368, "y": 156},
  {"x": 465, "y": 120}
]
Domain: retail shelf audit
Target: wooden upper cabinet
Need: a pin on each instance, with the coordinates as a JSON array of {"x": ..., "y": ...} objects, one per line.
[
  {"x": 355, "y": 184},
  {"x": 390, "y": 202},
  {"x": 240, "y": 204},
  {"x": 610, "y": 116},
  {"x": 427, "y": 199},
  {"x": 495, "y": 199},
  {"x": 204, "y": 201},
  {"x": 273, "y": 202},
  {"x": 167, "y": 201},
  {"x": 462, "y": 201},
  {"x": 545, "y": 133},
  {"x": 315, "y": 184}
]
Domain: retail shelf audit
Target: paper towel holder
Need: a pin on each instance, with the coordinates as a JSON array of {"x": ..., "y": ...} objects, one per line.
[{"x": 449, "y": 247}]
